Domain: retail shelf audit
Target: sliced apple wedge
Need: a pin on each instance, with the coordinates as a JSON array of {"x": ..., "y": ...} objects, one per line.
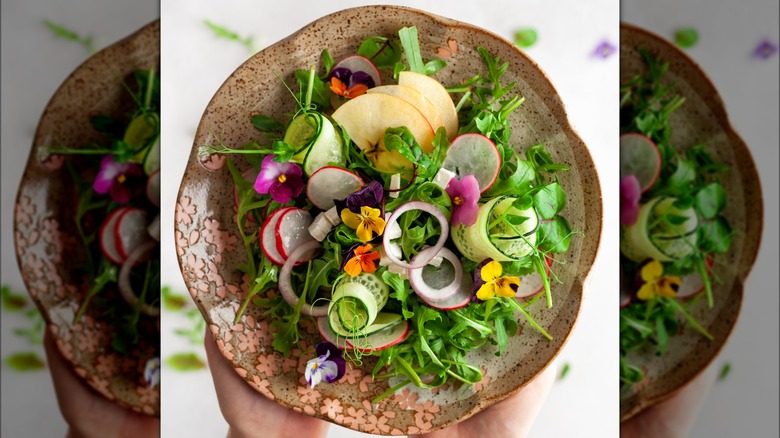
[
  {"x": 437, "y": 95},
  {"x": 367, "y": 117},
  {"x": 415, "y": 98}
]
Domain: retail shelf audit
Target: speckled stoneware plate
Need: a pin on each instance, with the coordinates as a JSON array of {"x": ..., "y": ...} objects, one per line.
[
  {"x": 702, "y": 119},
  {"x": 209, "y": 250},
  {"x": 47, "y": 242}
]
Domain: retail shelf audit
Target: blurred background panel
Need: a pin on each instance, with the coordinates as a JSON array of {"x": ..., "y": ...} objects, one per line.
[
  {"x": 736, "y": 44},
  {"x": 36, "y": 59}
]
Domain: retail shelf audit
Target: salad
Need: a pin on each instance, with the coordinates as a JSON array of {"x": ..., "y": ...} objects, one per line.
[
  {"x": 116, "y": 183},
  {"x": 672, "y": 227},
  {"x": 400, "y": 219}
]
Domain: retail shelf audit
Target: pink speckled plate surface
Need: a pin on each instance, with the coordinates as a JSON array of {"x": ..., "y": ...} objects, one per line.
[
  {"x": 209, "y": 249},
  {"x": 47, "y": 242},
  {"x": 701, "y": 119}
]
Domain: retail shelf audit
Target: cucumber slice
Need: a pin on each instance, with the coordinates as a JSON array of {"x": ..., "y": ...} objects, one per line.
[
  {"x": 316, "y": 142},
  {"x": 663, "y": 242},
  {"x": 383, "y": 321},
  {"x": 355, "y": 304},
  {"x": 301, "y": 132}
]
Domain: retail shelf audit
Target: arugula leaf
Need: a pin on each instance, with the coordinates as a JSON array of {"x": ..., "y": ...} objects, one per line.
[
  {"x": 223, "y": 32},
  {"x": 518, "y": 183},
  {"x": 266, "y": 124},
  {"x": 401, "y": 291},
  {"x": 172, "y": 301},
  {"x": 25, "y": 361},
  {"x": 63, "y": 32},
  {"x": 188, "y": 361},
  {"x": 12, "y": 302}
]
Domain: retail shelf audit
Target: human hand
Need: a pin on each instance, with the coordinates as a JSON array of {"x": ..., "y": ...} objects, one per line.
[
  {"x": 674, "y": 417},
  {"x": 249, "y": 413},
  {"x": 88, "y": 413}
]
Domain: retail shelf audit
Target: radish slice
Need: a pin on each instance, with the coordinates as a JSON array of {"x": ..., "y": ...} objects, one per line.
[
  {"x": 268, "y": 237},
  {"x": 625, "y": 298},
  {"x": 153, "y": 188},
  {"x": 130, "y": 231},
  {"x": 692, "y": 284},
  {"x": 639, "y": 156},
  {"x": 474, "y": 154},
  {"x": 461, "y": 299},
  {"x": 302, "y": 252},
  {"x": 292, "y": 230},
  {"x": 392, "y": 249},
  {"x": 327, "y": 334},
  {"x": 532, "y": 284},
  {"x": 154, "y": 228},
  {"x": 139, "y": 255},
  {"x": 360, "y": 63},
  {"x": 437, "y": 285},
  {"x": 382, "y": 340},
  {"x": 107, "y": 236},
  {"x": 329, "y": 183}
]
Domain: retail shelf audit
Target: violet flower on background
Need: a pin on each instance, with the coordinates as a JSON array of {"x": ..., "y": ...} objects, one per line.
[
  {"x": 765, "y": 49},
  {"x": 152, "y": 372},
  {"x": 630, "y": 192},
  {"x": 328, "y": 365},
  {"x": 283, "y": 181},
  {"x": 604, "y": 50},
  {"x": 116, "y": 178},
  {"x": 464, "y": 195},
  {"x": 370, "y": 195}
]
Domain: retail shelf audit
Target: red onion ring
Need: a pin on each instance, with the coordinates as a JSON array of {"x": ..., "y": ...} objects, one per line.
[
  {"x": 138, "y": 255},
  {"x": 431, "y": 294},
  {"x": 417, "y": 261},
  {"x": 285, "y": 285}
]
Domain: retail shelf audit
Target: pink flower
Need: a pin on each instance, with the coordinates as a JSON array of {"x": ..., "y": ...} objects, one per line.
[
  {"x": 283, "y": 180},
  {"x": 464, "y": 195},
  {"x": 116, "y": 179},
  {"x": 630, "y": 192}
]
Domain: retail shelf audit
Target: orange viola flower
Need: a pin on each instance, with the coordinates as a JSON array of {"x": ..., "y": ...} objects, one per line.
[
  {"x": 363, "y": 260},
  {"x": 341, "y": 89}
]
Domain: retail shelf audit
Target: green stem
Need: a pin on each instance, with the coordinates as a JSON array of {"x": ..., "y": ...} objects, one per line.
[
  {"x": 533, "y": 323},
  {"x": 545, "y": 279},
  {"x": 695, "y": 324},
  {"x": 107, "y": 275},
  {"x": 702, "y": 267}
]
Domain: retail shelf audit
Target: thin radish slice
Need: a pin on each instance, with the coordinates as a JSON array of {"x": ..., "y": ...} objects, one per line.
[
  {"x": 154, "y": 228},
  {"x": 474, "y": 154},
  {"x": 139, "y": 255},
  {"x": 382, "y": 340},
  {"x": 302, "y": 252},
  {"x": 327, "y": 334},
  {"x": 108, "y": 244},
  {"x": 420, "y": 261},
  {"x": 532, "y": 284},
  {"x": 360, "y": 63},
  {"x": 329, "y": 183},
  {"x": 461, "y": 299},
  {"x": 692, "y": 284},
  {"x": 292, "y": 230},
  {"x": 153, "y": 188},
  {"x": 268, "y": 237},
  {"x": 639, "y": 156},
  {"x": 437, "y": 285},
  {"x": 130, "y": 230}
]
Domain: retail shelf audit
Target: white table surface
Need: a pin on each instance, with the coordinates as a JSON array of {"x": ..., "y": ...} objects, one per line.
[{"x": 746, "y": 402}]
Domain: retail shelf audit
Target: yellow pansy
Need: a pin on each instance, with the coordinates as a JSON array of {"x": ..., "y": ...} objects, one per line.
[
  {"x": 495, "y": 284},
  {"x": 655, "y": 284},
  {"x": 365, "y": 223}
]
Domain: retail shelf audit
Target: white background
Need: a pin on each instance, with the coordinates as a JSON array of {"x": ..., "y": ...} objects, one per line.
[{"x": 746, "y": 402}]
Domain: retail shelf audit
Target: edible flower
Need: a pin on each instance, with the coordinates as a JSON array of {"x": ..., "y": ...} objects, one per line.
[
  {"x": 604, "y": 50},
  {"x": 362, "y": 260},
  {"x": 464, "y": 195},
  {"x": 152, "y": 372},
  {"x": 346, "y": 83},
  {"x": 630, "y": 192},
  {"x": 490, "y": 283},
  {"x": 765, "y": 49},
  {"x": 365, "y": 223},
  {"x": 655, "y": 284},
  {"x": 370, "y": 195},
  {"x": 283, "y": 180},
  {"x": 328, "y": 365},
  {"x": 116, "y": 178}
]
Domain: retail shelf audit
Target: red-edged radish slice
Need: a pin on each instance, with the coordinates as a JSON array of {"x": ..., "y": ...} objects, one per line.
[
  {"x": 268, "y": 237},
  {"x": 532, "y": 284},
  {"x": 329, "y": 183},
  {"x": 327, "y": 334},
  {"x": 692, "y": 284},
  {"x": 360, "y": 63},
  {"x": 474, "y": 154},
  {"x": 292, "y": 230},
  {"x": 437, "y": 285},
  {"x": 108, "y": 242},
  {"x": 153, "y": 188},
  {"x": 302, "y": 252},
  {"x": 140, "y": 254},
  {"x": 461, "y": 299},
  {"x": 130, "y": 230},
  {"x": 383, "y": 339},
  {"x": 639, "y": 156},
  {"x": 419, "y": 261}
]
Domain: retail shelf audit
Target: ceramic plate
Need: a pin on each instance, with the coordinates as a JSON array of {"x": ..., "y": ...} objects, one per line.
[
  {"x": 47, "y": 243},
  {"x": 702, "y": 119},
  {"x": 209, "y": 250}
]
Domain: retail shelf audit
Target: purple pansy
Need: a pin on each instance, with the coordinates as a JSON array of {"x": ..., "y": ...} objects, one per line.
[
  {"x": 630, "y": 192},
  {"x": 370, "y": 195},
  {"x": 283, "y": 180},
  {"x": 765, "y": 49},
  {"x": 152, "y": 372},
  {"x": 464, "y": 195},
  {"x": 328, "y": 365},
  {"x": 116, "y": 179},
  {"x": 350, "y": 78},
  {"x": 604, "y": 50}
]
